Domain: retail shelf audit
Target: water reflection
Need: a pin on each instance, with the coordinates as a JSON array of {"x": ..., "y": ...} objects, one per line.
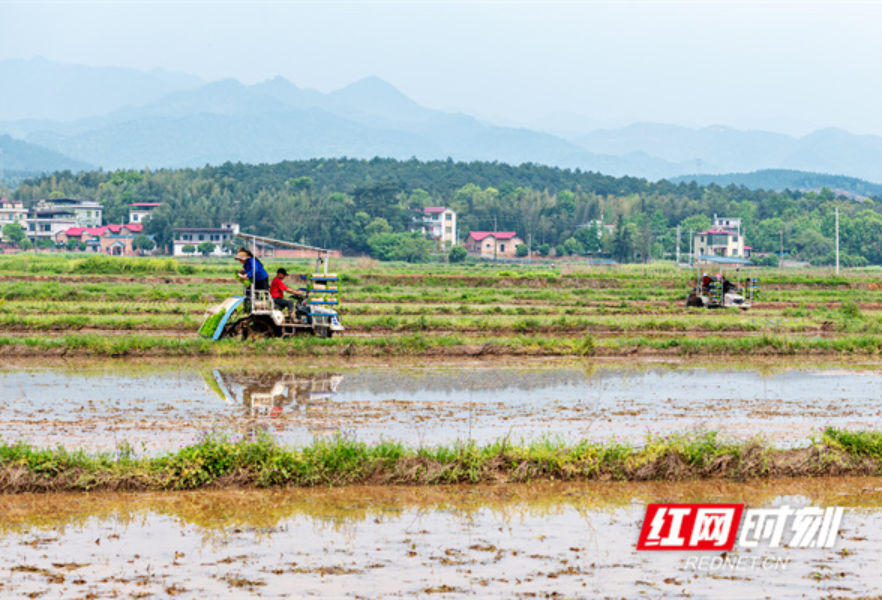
[
  {"x": 274, "y": 394},
  {"x": 168, "y": 405}
]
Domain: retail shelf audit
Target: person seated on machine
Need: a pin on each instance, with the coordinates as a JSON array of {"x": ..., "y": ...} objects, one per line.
[
  {"x": 277, "y": 291},
  {"x": 705, "y": 282},
  {"x": 728, "y": 286}
]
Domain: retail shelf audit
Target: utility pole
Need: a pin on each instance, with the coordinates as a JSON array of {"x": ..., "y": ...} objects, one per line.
[
  {"x": 691, "y": 252},
  {"x": 781, "y": 232},
  {"x": 529, "y": 246},
  {"x": 837, "y": 240},
  {"x": 495, "y": 241},
  {"x": 678, "y": 245}
]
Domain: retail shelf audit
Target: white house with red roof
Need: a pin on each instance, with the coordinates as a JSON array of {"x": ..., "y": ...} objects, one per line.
[
  {"x": 438, "y": 222},
  {"x": 719, "y": 242},
  {"x": 489, "y": 244},
  {"x": 723, "y": 239}
]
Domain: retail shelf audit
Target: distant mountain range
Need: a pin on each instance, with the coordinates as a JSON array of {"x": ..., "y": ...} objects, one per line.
[
  {"x": 21, "y": 157},
  {"x": 122, "y": 118}
]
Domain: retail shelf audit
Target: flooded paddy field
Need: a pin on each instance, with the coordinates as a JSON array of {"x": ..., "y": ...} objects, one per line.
[
  {"x": 160, "y": 406},
  {"x": 542, "y": 540}
]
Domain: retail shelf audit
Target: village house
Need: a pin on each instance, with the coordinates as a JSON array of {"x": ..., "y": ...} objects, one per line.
[
  {"x": 489, "y": 244},
  {"x": 139, "y": 211},
  {"x": 723, "y": 239},
  {"x": 115, "y": 240},
  {"x": 439, "y": 223},
  {"x": 12, "y": 211},
  {"x": 193, "y": 236},
  {"x": 47, "y": 223},
  {"x": 86, "y": 213}
]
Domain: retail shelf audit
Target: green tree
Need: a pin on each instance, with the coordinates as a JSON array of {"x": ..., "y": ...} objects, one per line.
[
  {"x": 625, "y": 241},
  {"x": 413, "y": 248},
  {"x": 521, "y": 250},
  {"x": 72, "y": 244},
  {"x": 14, "y": 233},
  {"x": 45, "y": 243},
  {"x": 231, "y": 245},
  {"x": 299, "y": 184},
  {"x": 377, "y": 226},
  {"x": 590, "y": 237},
  {"x": 573, "y": 246},
  {"x": 695, "y": 223},
  {"x": 544, "y": 249},
  {"x": 188, "y": 249},
  {"x": 457, "y": 254},
  {"x": 566, "y": 202},
  {"x": 812, "y": 245},
  {"x": 25, "y": 244},
  {"x": 770, "y": 260},
  {"x": 142, "y": 242},
  {"x": 206, "y": 248}
]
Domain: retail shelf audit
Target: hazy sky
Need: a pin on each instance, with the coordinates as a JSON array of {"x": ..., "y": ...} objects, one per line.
[{"x": 785, "y": 66}]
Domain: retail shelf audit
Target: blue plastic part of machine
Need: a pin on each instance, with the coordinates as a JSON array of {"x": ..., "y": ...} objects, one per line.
[{"x": 223, "y": 322}]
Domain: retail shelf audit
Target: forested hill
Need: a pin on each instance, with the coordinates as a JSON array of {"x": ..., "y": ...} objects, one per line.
[
  {"x": 366, "y": 206},
  {"x": 440, "y": 178},
  {"x": 786, "y": 179}
]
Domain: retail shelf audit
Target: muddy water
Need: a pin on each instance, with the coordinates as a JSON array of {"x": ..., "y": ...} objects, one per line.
[
  {"x": 162, "y": 406},
  {"x": 502, "y": 541}
]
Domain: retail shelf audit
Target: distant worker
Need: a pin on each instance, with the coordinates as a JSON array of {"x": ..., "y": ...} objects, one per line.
[
  {"x": 252, "y": 269},
  {"x": 705, "y": 280},
  {"x": 277, "y": 291}
]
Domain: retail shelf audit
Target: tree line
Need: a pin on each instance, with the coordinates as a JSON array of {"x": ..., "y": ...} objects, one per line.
[{"x": 368, "y": 206}]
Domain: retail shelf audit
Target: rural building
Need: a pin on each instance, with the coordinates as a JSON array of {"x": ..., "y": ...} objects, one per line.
[
  {"x": 727, "y": 224},
  {"x": 139, "y": 211},
  {"x": 12, "y": 211},
  {"x": 601, "y": 227},
  {"x": 723, "y": 239},
  {"x": 48, "y": 223},
  {"x": 439, "y": 223},
  {"x": 86, "y": 213},
  {"x": 718, "y": 242},
  {"x": 115, "y": 240},
  {"x": 193, "y": 236},
  {"x": 487, "y": 244}
]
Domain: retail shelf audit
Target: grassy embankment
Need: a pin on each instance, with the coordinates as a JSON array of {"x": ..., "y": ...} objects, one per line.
[
  {"x": 222, "y": 459},
  {"x": 437, "y": 309}
]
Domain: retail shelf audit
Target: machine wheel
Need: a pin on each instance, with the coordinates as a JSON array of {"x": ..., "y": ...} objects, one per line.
[
  {"x": 323, "y": 331},
  {"x": 258, "y": 328},
  {"x": 231, "y": 330},
  {"x": 694, "y": 300}
]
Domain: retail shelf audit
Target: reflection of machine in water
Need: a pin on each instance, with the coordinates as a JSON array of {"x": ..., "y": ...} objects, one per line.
[{"x": 268, "y": 393}]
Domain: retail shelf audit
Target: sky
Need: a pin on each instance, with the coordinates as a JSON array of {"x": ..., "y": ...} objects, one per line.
[{"x": 783, "y": 66}]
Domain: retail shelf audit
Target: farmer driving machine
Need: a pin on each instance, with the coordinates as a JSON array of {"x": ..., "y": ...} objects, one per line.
[
  {"x": 719, "y": 292},
  {"x": 254, "y": 315}
]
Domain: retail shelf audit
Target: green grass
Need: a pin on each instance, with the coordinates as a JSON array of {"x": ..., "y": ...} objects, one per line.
[
  {"x": 223, "y": 458},
  {"x": 419, "y": 343}
]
